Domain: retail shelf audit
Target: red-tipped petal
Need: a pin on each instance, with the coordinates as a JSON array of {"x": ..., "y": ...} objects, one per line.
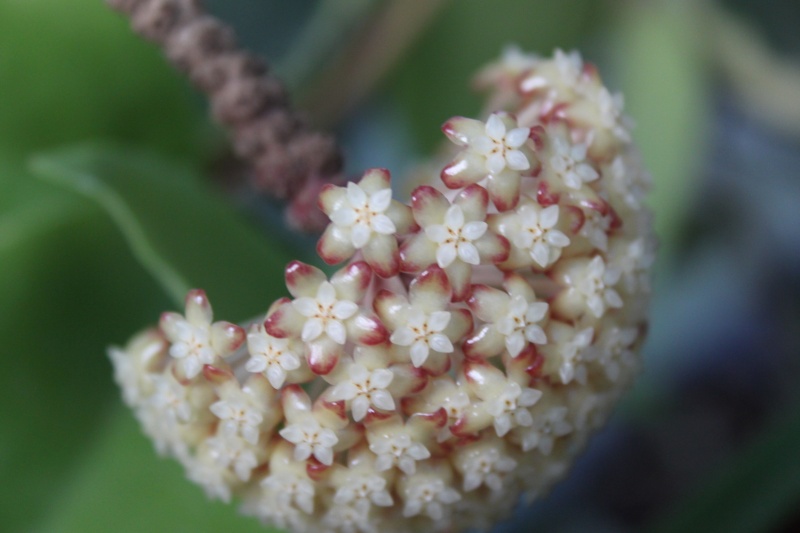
[
  {"x": 295, "y": 402},
  {"x": 198, "y": 308},
  {"x": 226, "y": 338},
  {"x": 382, "y": 254},
  {"x": 428, "y": 205},
  {"x": 504, "y": 189},
  {"x": 323, "y": 356},
  {"x": 431, "y": 290},
  {"x": 367, "y": 330},
  {"x": 467, "y": 168},
  {"x": 303, "y": 279},
  {"x": 352, "y": 281},
  {"x": 473, "y": 201},
  {"x": 461, "y": 130},
  {"x": 284, "y": 322},
  {"x": 545, "y": 196},
  {"x": 493, "y": 248},
  {"x": 331, "y": 198},
  {"x": 417, "y": 253},
  {"x": 459, "y": 275},
  {"x": 332, "y": 247},
  {"x": 390, "y": 308},
  {"x": 375, "y": 179},
  {"x": 486, "y": 342},
  {"x": 460, "y": 324}
]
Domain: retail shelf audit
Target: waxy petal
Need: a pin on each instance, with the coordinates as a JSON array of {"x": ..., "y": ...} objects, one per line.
[
  {"x": 303, "y": 279},
  {"x": 429, "y": 206}
]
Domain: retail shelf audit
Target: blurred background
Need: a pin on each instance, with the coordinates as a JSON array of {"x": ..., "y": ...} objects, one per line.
[{"x": 113, "y": 190}]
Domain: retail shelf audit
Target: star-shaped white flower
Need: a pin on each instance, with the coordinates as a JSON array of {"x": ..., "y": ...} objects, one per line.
[
  {"x": 537, "y": 233},
  {"x": 520, "y": 325},
  {"x": 192, "y": 345},
  {"x": 361, "y": 489},
  {"x": 325, "y": 314},
  {"x": 238, "y": 414},
  {"x": 484, "y": 464},
  {"x": 569, "y": 162},
  {"x": 270, "y": 356},
  {"x": 364, "y": 388},
  {"x": 509, "y": 407},
  {"x": 427, "y": 494},
  {"x": 500, "y": 146},
  {"x": 309, "y": 438},
  {"x": 291, "y": 490},
  {"x": 546, "y": 427},
  {"x": 362, "y": 214},
  {"x": 172, "y": 399},
  {"x": 597, "y": 286},
  {"x": 423, "y": 332},
  {"x": 614, "y": 350},
  {"x": 396, "y": 449},
  {"x": 454, "y": 238},
  {"x": 573, "y": 352},
  {"x": 235, "y": 453}
]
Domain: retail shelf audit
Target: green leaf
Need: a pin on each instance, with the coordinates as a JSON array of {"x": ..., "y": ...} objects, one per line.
[
  {"x": 753, "y": 491},
  {"x": 181, "y": 232},
  {"x": 657, "y": 52},
  {"x": 122, "y": 486},
  {"x": 63, "y": 302},
  {"x": 72, "y": 70}
]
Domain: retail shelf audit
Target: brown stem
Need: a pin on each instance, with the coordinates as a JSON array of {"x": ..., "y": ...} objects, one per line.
[{"x": 289, "y": 159}]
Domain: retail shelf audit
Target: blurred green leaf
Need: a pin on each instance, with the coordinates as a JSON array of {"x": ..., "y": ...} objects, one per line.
[
  {"x": 71, "y": 70},
  {"x": 753, "y": 491},
  {"x": 122, "y": 486},
  {"x": 656, "y": 51},
  {"x": 433, "y": 82},
  {"x": 177, "y": 228},
  {"x": 69, "y": 288}
]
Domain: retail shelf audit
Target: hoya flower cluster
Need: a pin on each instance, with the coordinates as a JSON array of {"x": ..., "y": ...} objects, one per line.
[{"x": 462, "y": 353}]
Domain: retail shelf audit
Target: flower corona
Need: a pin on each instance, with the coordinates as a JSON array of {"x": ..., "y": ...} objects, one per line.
[{"x": 460, "y": 356}]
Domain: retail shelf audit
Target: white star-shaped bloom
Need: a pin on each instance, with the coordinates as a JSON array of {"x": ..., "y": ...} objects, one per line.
[
  {"x": 597, "y": 286},
  {"x": 423, "y": 332},
  {"x": 486, "y": 467},
  {"x": 233, "y": 452},
  {"x": 325, "y": 314},
  {"x": 363, "y": 489},
  {"x": 171, "y": 398},
  {"x": 569, "y": 162},
  {"x": 362, "y": 214},
  {"x": 364, "y": 388},
  {"x": 397, "y": 449},
  {"x": 520, "y": 325},
  {"x": 429, "y": 495},
  {"x": 291, "y": 490},
  {"x": 545, "y": 429},
  {"x": 193, "y": 346},
  {"x": 454, "y": 238},
  {"x": 614, "y": 350},
  {"x": 509, "y": 407},
  {"x": 270, "y": 356},
  {"x": 573, "y": 357},
  {"x": 538, "y": 235},
  {"x": 309, "y": 438},
  {"x": 238, "y": 416},
  {"x": 501, "y": 146}
]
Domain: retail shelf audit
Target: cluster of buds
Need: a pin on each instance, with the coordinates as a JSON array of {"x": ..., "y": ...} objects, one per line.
[{"x": 462, "y": 354}]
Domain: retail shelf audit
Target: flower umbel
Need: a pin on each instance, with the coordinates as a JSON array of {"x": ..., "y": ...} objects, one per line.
[{"x": 462, "y": 354}]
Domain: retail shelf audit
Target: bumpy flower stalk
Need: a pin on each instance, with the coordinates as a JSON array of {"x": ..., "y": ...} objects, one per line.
[
  {"x": 460, "y": 357},
  {"x": 288, "y": 159}
]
